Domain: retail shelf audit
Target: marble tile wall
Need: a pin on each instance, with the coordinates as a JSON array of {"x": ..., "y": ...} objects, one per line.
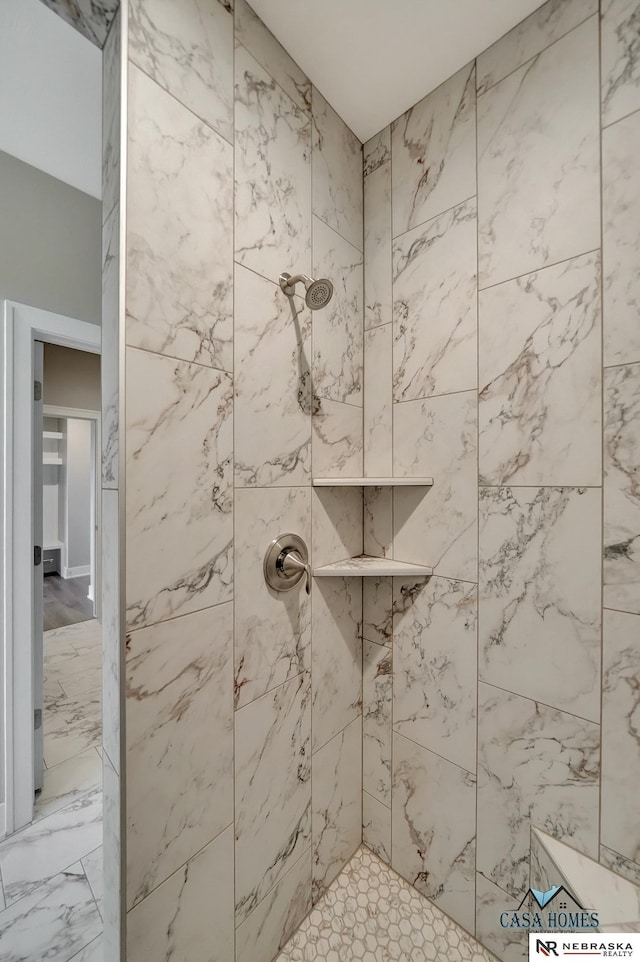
[
  {"x": 502, "y": 357},
  {"x": 243, "y": 705}
]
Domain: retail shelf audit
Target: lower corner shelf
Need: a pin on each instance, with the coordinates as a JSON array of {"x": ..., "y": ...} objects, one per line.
[{"x": 366, "y": 566}]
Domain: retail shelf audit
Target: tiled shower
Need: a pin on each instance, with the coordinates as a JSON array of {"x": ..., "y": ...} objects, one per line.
[{"x": 484, "y": 331}]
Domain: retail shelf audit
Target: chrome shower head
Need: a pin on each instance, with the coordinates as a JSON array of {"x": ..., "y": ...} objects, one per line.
[{"x": 319, "y": 292}]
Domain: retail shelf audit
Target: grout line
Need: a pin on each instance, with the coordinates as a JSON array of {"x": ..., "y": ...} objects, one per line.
[
  {"x": 538, "y": 701},
  {"x": 540, "y": 269},
  {"x": 431, "y": 218},
  {"x": 129, "y": 629},
  {"x": 180, "y": 360},
  {"x": 432, "y": 397},
  {"x": 432, "y": 752},
  {"x": 613, "y": 367},
  {"x": 365, "y": 792},
  {"x": 621, "y": 611},
  {"x": 602, "y": 428},
  {"x": 620, "y": 119},
  {"x": 298, "y": 107},
  {"x": 234, "y": 516},
  {"x": 477, "y": 483}
]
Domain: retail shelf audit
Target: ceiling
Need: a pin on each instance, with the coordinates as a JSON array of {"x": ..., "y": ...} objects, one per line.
[
  {"x": 373, "y": 59},
  {"x": 50, "y": 95}
]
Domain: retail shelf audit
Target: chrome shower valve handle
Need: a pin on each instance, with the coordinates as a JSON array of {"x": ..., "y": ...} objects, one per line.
[{"x": 286, "y": 563}]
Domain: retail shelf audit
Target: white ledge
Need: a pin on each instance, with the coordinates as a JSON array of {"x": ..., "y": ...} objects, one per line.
[
  {"x": 365, "y": 566},
  {"x": 372, "y": 482}
]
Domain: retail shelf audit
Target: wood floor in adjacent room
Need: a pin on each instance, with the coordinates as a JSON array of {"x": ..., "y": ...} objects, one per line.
[{"x": 65, "y": 601}]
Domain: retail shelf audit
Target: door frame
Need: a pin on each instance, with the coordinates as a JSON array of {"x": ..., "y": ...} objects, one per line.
[{"x": 21, "y": 326}]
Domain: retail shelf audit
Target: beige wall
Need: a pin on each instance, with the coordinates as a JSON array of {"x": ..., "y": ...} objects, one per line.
[
  {"x": 71, "y": 378},
  {"x": 50, "y": 243}
]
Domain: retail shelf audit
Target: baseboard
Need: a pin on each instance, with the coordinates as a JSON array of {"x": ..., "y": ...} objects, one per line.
[
  {"x": 90, "y": 593},
  {"x": 80, "y": 572}
]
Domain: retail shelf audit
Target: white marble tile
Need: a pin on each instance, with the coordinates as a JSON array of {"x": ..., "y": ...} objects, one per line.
[
  {"x": 179, "y": 509},
  {"x": 434, "y": 677},
  {"x": 190, "y": 916},
  {"x": 509, "y": 945},
  {"x": 111, "y": 116},
  {"x": 46, "y": 847},
  {"x": 336, "y": 656},
  {"x": 378, "y": 516},
  {"x": 336, "y": 524},
  {"x": 261, "y": 43},
  {"x": 621, "y": 490},
  {"x": 338, "y": 328},
  {"x": 110, "y": 355},
  {"x": 112, "y": 643},
  {"x": 92, "y": 952},
  {"x": 272, "y": 923},
  {"x": 620, "y": 865},
  {"x": 377, "y": 610},
  {"x": 434, "y": 152},
  {"x": 92, "y": 866},
  {"x": 337, "y": 441},
  {"x": 537, "y": 766},
  {"x": 620, "y": 240},
  {"x": 272, "y": 174},
  {"x": 430, "y": 793},
  {"x": 337, "y": 172},
  {"x": 67, "y": 781},
  {"x": 377, "y": 684},
  {"x": 437, "y": 526},
  {"x": 377, "y": 151},
  {"x": 547, "y": 24},
  {"x": 179, "y": 230},
  {"x": 272, "y": 629},
  {"x": 376, "y": 827},
  {"x": 378, "y": 397},
  {"x": 112, "y": 859},
  {"x": 54, "y": 923},
  {"x": 538, "y": 160},
  {"x": 187, "y": 47},
  {"x": 90, "y": 17},
  {"x": 273, "y": 789},
  {"x": 337, "y": 805},
  {"x": 620, "y": 53},
  {"x": 435, "y": 306},
  {"x": 179, "y": 743},
  {"x": 540, "y": 377},
  {"x": 620, "y": 742},
  {"x": 273, "y": 402},
  {"x": 540, "y": 578},
  {"x": 377, "y": 231}
]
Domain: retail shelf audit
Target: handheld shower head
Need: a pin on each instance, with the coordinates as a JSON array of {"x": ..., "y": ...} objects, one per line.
[{"x": 319, "y": 292}]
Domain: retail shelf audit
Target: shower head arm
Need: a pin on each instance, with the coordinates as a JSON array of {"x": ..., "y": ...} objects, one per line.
[{"x": 288, "y": 282}]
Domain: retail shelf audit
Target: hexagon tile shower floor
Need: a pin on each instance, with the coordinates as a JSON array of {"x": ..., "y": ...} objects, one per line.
[{"x": 370, "y": 914}]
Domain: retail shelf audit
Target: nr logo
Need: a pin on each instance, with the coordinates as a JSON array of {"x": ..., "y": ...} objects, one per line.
[{"x": 546, "y": 948}]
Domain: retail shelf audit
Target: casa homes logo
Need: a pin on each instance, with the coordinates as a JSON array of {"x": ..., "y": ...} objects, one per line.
[
  {"x": 547, "y": 945},
  {"x": 557, "y": 909}
]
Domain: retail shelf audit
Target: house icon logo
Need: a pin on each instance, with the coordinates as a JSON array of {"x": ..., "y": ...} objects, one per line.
[
  {"x": 546, "y": 898},
  {"x": 554, "y": 910}
]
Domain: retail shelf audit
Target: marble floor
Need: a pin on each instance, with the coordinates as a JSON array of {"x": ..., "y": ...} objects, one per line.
[
  {"x": 51, "y": 871},
  {"x": 370, "y": 914}
]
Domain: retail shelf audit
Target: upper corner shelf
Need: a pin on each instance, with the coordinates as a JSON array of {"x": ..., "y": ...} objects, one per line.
[
  {"x": 366, "y": 566},
  {"x": 372, "y": 482}
]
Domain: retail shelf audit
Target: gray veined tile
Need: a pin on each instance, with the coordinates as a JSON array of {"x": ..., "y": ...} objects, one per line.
[
  {"x": 435, "y": 306},
  {"x": 55, "y": 922},
  {"x": 377, "y": 608},
  {"x": 378, "y": 398},
  {"x": 179, "y": 230},
  {"x": 92, "y": 866},
  {"x": 377, "y": 242},
  {"x": 336, "y": 656},
  {"x": 434, "y": 678},
  {"x": 112, "y": 858},
  {"x": 112, "y": 643},
  {"x": 620, "y": 865},
  {"x": 620, "y": 744},
  {"x": 338, "y": 328},
  {"x": 179, "y": 733},
  {"x": 111, "y": 114},
  {"x": 261, "y": 43},
  {"x": 437, "y": 437},
  {"x": 510, "y": 945},
  {"x": 272, "y": 629},
  {"x": 189, "y": 916},
  {"x": 187, "y": 47},
  {"x": 377, "y": 682},
  {"x": 91, "y": 18},
  {"x": 377, "y": 151},
  {"x": 540, "y": 577},
  {"x": 621, "y": 492},
  {"x": 547, "y": 24},
  {"x": 378, "y": 515},
  {"x": 337, "y": 172},
  {"x": 66, "y": 781},
  {"x": 621, "y": 239},
  {"x": 538, "y": 160},
  {"x": 434, "y": 152},
  {"x": 337, "y": 440},
  {"x": 536, "y": 766},
  {"x": 46, "y": 847},
  {"x": 336, "y": 524},
  {"x": 272, "y": 174},
  {"x": 92, "y": 952},
  {"x": 110, "y": 356},
  {"x": 273, "y": 400},
  {"x": 337, "y": 805},
  {"x": 540, "y": 377},
  {"x": 179, "y": 509},
  {"x": 273, "y": 789},
  {"x": 429, "y": 792},
  {"x": 376, "y": 827},
  {"x": 620, "y": 52}
]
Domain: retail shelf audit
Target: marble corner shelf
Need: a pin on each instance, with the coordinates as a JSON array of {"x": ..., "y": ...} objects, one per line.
[
  {"x": 366, "y": 566},
  {"x": 372, "y": 482}
]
